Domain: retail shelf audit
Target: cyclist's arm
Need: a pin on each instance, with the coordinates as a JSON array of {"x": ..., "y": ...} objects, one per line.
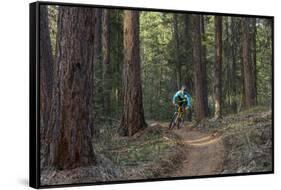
[{"x": 174, "y": 98}]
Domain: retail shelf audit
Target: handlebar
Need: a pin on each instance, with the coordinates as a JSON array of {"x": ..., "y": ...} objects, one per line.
[{"x": 188, "y": 107}]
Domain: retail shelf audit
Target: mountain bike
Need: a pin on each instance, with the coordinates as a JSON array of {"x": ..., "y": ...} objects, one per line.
[{"x": 178, "y": 118}]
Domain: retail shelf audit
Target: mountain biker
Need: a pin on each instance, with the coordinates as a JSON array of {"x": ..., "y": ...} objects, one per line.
[{"x": 182, "y": 98}]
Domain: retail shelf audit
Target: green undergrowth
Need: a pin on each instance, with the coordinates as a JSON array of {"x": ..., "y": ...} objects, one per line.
[{"x": 152, "y": 152}]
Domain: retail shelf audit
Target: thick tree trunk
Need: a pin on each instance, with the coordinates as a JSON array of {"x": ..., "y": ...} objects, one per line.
[
  {"x": 176, "y": 46},
  {"x": 133, "y": 114},
  {"x": 218, "y": 66},
  {"x": 46, "y": 81},
  {"x": 248, "y": 69},
  {"x": 70, "y": 135},
  {"x": 198, "y": 69},
  {"x": 204, "y": 65},
  {"x": 106, "y": 59},
  {"x": 188, "y": 53}
]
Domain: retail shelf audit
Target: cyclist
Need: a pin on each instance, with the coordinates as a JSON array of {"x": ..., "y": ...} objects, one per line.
[{"x": 182, "y": 98}]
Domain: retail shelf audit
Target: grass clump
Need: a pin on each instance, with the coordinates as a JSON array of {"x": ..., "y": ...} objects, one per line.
[
  {"x": 152, "y": 152},
  {"x": 248, "y": 141}
]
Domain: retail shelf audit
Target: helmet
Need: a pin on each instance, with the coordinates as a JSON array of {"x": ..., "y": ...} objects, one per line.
[{"x": 183, "y": 87}]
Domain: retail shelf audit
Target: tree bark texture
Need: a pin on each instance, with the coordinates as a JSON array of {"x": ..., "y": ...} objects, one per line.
[
  {"x": 204, "y": 65},
  {"x": 176, "y": 50},
  {"x": 198, "y": 68},
  {"x": 248, "y": 68},
  {"x": 70, "y": 134},
  {"x": 188, "y": 51},
  {"x": 133, "y": 115}
]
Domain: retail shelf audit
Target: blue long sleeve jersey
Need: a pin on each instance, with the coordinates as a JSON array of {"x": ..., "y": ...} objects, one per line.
[{"x": 182, "y": 95}]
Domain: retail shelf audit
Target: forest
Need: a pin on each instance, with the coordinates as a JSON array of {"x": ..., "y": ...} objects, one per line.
[{"x": 107, "y": 79}]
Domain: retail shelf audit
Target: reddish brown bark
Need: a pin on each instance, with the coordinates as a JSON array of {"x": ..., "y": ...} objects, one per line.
[
  {"x": 70, "y": 135},
  {"x": 198, "y": 68},
  {"x": 176, "y": 46},
  {"x": 248, "y": 68},
  {"x": 204, "y": 65},
  {"x": 133, "y": 114},
  {"x": 187, "y": 77}
]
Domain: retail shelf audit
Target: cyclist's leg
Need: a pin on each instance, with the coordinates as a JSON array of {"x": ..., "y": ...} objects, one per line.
[
  {"x": 178, "y": 124},
  {"x": 184, "y": 114}
]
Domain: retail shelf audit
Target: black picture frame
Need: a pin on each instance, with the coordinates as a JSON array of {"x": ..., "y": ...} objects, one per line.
[{"x": 34, "y": 98}]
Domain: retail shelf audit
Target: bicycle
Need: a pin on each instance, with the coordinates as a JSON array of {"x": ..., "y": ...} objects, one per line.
[{"x": 178, "y": 117}]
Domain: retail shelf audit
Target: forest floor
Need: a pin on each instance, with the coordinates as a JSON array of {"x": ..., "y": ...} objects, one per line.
[
  {"x": 237, "y": 143},
  {"x": 204, "y": 154}
]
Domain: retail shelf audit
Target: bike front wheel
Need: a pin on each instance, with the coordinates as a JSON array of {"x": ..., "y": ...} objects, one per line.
[{"x": 173, "y": 121}]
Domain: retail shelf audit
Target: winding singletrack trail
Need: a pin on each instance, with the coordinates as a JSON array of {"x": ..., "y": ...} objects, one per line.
[{"x": 204, "y": 153}]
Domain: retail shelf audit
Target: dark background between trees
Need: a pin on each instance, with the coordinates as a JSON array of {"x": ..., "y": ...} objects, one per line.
[{"x": 103, "y": 65}]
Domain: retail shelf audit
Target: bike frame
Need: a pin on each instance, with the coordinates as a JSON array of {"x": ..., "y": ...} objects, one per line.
[{"x": 178, "y": 115}]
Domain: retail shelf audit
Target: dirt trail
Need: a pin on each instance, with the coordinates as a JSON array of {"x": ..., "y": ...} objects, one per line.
[{"x": 204, "y": 152}]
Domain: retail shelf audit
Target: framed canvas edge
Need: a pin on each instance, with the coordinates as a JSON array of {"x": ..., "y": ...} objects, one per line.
[
  {"x": 34, "y": 94},
  {"x": 34, "y": 135}
]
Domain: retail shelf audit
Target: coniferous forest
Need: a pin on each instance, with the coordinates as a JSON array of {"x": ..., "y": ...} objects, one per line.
[{"x": 107, "y": 79}]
